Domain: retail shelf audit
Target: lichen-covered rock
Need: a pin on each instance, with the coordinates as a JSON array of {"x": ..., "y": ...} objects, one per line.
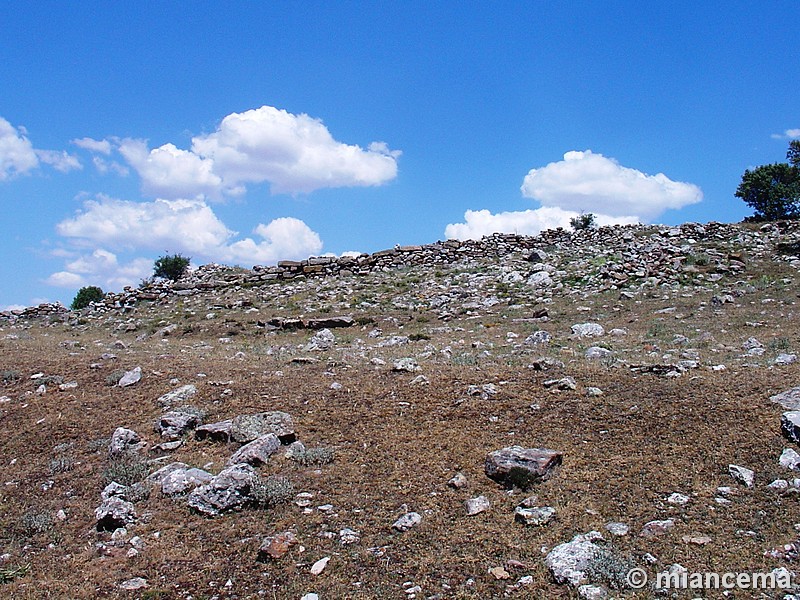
[
  {"x": 520, "y": 467},
  {"x": 113, "y": 513},
  {"x": 537, "y": 516},
  {"x": 246, "y": 428},
  {"x": 181, "y": 481},
  {"x": 124, "y": 441},
  {"x": 178, "y": 396},
  {"x": 569, "y": 562},
  {"x": 407, "y": 521},
  {"x": 175, "y": 423},
  {"x": 227, "y": 491},
  {"x": 257, "y": 452},
  {"x": 588, "y": 330}
]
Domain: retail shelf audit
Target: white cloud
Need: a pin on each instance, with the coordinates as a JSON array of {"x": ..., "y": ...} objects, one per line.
[
  {"x": 791, "y": 134},
  {"x": 189, "y": 227},
  {"x": 283, "y": 239},
  {"x": 103, "y": 269},
  {"x": 170, "y": 172},
  {"x": 9, "y": 307},
  {"x": 60, "y": 161},
  {"x": 293, "y": 153},
  {"x": 17, "y": 155},
  {"x": 104, "y": 166},
  {"x": 164, "y": 225},
  {"x": 589, "y": 182},
  {"x": 92, "y": 145},
  {"x": 65, "y": 279},
  {"x": 479, "y": 223}
]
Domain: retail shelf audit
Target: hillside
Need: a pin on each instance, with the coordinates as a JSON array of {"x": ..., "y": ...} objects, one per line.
[{"x": 367, "y": 389}]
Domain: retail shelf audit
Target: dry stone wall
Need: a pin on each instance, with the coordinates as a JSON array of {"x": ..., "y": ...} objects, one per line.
[{"x": 633, "y": 253}]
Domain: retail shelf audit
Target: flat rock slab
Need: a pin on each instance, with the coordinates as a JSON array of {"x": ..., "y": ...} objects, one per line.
[
  {"x": 257, "y": 452},
  {"x": 246, "y": 428},
  {"x": 520, "y": 467},
  {"x": 790, "y": 399},
  {"x": 180, "y": 395},
  {"x": 216, "y": 432}
]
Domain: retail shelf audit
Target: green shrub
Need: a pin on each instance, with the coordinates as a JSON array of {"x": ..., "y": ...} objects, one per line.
[
  {"x": 314, "y": 456},
  {"x": 126, "y": 469},
  {"x": 10, "y": 573},
  {"x": 85, "y": 295},
  {"x": 582, "y": 221},
  {"x": 172, "y": 266},
  {"x": 272, "y": 491}
]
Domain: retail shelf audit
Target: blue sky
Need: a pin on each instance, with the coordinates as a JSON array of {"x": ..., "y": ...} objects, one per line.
[{"x": 248, "y": 132}]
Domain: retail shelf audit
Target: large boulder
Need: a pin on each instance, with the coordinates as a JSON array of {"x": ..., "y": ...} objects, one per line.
[
  {"x": 790, "y": 399},
  {"x": 228, "y": 491},
  {"x": 246, "y": 428},
  {"x": 520, "y": 467}
]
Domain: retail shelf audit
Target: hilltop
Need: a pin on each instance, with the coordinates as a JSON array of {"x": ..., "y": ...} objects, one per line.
[{"x": 369, "y": 394}]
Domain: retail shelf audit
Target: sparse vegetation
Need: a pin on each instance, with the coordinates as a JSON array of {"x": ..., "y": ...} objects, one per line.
[
  {"x": 10, "y": 375},
  {"x": 10, "y": 573},
  {"x": 314, "y": 456},
  {"x": 126, "y": 469},
  {"x": 272, "y": 491}
]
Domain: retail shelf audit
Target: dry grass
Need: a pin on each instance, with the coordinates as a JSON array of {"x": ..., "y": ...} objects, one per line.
[{"x": 395, "y": 443}]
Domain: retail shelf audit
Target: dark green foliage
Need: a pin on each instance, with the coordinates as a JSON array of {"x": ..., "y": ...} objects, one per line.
[
  {"x": 85, "y": 295},
  {"x": 172, "y": 266},
  {"x": 582, "y": 221},
  {"x": 773, "y": 191}
]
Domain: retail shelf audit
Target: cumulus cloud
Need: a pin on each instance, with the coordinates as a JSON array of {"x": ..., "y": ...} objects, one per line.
[
  {"x": 584, "y": 182},
  {"x": 293, "y": 153},
  {"x": 172, "y": 172},
  {"x": 479, "y": 223},
  {"x": 18, "y": 156},
  {"x": 186, "y": 226},
  {"x": 282, "y": 239},
  {"x": 102, "y": 268},
  {"x": 589, "y": 182}
]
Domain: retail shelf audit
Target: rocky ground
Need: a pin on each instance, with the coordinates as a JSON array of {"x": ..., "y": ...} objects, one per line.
[{"x": 521, "y": 417}]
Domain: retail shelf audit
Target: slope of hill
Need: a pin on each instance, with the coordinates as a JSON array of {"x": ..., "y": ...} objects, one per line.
[{"x": 375, "y": 387}]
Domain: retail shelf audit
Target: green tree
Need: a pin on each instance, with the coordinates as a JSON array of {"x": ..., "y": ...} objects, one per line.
[
  {"x": 172, "y": 266},
  {"x": 85, "y": 295},
  {"x": 793, "y": 154},
  {"x": 772, "y": 191},
  {"x": 582, "y": 221}
]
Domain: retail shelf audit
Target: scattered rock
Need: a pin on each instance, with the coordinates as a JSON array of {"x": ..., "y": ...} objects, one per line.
[
  {"x": 458, "y": 481},
  {"x": 130, "y": 377},
  {"x": 474, "y": 506},
  {"x": 319, "y": 566},
  {"x": 277, "y": 546},
  {"x": 790, "y": 425},
  {"x": 742, "y": 475},
  {"x": 790, "y": 459},
  {"x": 563, "y": 384},
  {"x": 537, "y": 517},
  {"x": 408, "y": 365},
  {"x": 407, "y": 521},
  {"x": 124, "y": 441},
  {"x": 657, "y": 528},
  {"x": 520, "y": 467},
  {"x": 257, "y": 452},
  {"x": 217, "y": 432},
  {"x": 134, "y": 584}
]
